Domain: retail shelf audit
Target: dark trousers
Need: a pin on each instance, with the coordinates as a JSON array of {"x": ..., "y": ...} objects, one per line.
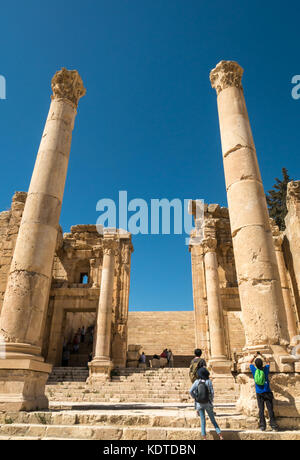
[{"x": 267, "y": 398}]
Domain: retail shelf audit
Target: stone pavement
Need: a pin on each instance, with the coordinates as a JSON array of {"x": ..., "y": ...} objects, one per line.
[{"x": 106, "y": 421}]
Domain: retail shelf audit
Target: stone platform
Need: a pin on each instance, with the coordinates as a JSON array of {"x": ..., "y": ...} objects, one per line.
[
  {"x": 137, "y": 404},
  {"x": 130, "y": 422},
  {"x": 131, "y": 385}
]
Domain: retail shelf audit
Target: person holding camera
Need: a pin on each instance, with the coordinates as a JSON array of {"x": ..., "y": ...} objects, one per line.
[{"x": 263, "y": 391}]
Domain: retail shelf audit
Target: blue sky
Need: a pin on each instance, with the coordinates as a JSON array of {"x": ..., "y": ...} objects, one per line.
[{"x": 148, "y": 123}]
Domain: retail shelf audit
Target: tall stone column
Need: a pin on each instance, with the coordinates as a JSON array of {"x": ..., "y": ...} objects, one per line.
[
  {"x": 101, "y": 364},
  {"x": 290, "y": 317},
  {"x": 218, "y": 360},
  {"x": 119, "y": 340},
  {"x": 23, "y": 373},
  {"x": 197, "y": 209},
  {"x": 257, "y": 271},
  {"x": 292, "y": 232}
]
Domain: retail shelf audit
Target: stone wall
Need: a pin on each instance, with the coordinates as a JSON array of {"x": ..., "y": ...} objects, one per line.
[
  {"x": 78, "y": 256},
  {"x": 9, "y": 228},
  {"x": 235, "y": 332},
  {"x": 291, "y": 245},
  {"x": 157, "y": 330}
]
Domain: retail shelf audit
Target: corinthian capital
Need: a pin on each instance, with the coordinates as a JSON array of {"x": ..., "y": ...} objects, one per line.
[
  {"x": 293, "y": 193},
  {"x": 209, "y": 245},
  {"x": 226, "y": 74},
  {"x": 67, "y": 84},
  {"x": 110, "y": 246}
]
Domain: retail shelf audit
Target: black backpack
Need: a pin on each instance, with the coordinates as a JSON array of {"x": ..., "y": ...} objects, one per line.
[{"x": 202, "y": 393}]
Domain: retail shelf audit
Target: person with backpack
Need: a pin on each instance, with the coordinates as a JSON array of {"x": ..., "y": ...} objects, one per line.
[
  {"x": 196, "y": 363},
  {"x": 263, "y": 391},
  {"x": 202, "y": 392}
]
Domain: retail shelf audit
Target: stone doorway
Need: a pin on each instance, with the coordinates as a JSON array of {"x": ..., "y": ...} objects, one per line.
[{"x": 79, "y": 348}]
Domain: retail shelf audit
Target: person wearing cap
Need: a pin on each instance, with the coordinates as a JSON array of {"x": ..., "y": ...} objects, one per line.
[{"x": 202, "y": 392}]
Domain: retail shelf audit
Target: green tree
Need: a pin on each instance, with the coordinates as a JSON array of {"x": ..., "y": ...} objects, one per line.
[{"x": 276, "y": 199}]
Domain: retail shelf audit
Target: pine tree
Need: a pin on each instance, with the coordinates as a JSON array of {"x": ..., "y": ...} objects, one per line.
[{"x": 276, "y": 199}]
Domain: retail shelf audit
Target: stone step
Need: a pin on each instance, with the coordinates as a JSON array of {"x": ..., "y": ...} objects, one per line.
[
  {"x": 164, "y": 417},
  {"x": 139, "y": 396},
  {"x": 130, "y": 391},
  {"x": 16, "y": 431},
  {"x": 152, "y": 401}
]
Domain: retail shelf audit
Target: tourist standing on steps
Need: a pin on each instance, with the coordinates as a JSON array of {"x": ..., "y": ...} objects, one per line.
[
  {"x": 202, "y": 392},
  {"x": 170, "y": 358},
  {"x": 196, "y": 363},
  {"x": 264, "y": 394},
  {"x": 142, "y": 358}
]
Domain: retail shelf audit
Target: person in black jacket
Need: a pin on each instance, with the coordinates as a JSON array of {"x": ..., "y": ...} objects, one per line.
[{"x": 196, "y": 363}]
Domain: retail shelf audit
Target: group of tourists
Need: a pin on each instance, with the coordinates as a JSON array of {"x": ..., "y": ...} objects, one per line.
[
  {"x": 202, "y": 391},
  {"x": 168, "y": 355},
  {"x": 83, "y": 335},
  {"x": 78, "y": 339}
]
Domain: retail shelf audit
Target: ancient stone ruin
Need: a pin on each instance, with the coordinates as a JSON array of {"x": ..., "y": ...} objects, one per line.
[{"x": 246, "y": 287}]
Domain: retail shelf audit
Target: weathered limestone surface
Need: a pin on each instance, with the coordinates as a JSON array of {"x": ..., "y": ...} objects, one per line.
[
  {"x": 27, "y": 292},
  {"x": 81, "y": 253},
  {"x": 157, "y": 330},
  {"x": 258, "y": 277},
  {"x": 9, "y": 228},
  {"x": 292, "y": 240},
  {"x": 218, "y": 360},
  {"x": 286, "y": 389},
  {"x": 221, "y": 329},
  {"x": 266, "y": 311},
  {"x": 289, "y": 318},
  {"x": 102, "y": 365}
]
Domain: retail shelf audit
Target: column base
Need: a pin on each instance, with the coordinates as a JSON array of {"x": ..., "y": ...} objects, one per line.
[
  {"x": 286, "y": 390},
  {"x": 100, "y": 371},
  {"x": 22, "y": 384},
  {"x": 223, "y": 380},
  {"x": 278, "y": 356},
  {"x": 220, "y": 367}
]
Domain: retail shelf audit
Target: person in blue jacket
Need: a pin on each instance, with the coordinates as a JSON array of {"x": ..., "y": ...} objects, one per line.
[{"x": 263, "y": 392}]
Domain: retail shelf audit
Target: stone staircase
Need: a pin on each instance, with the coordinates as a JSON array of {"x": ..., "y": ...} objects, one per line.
[
  {"x": 130, "y": 385},
  {"x": 129, "y": 422},
  {"x": 138, "y": 404},
  {"x": 80, "y": 359},
  {"x": 68, "y": 374}
]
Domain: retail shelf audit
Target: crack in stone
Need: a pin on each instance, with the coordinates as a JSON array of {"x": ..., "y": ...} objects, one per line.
[
  {"x": 238, "y": 147},
  {"x": 256, "y": 281},
  {"x": 243, "y": 178},
  {"x": 235, "y": 232}
]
